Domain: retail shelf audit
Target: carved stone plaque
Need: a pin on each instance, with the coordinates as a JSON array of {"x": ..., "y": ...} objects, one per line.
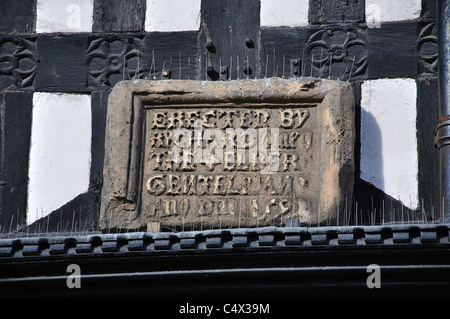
[{"x": 251, "y": 153}]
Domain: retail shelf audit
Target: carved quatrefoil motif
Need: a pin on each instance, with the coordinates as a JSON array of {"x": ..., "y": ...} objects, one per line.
[
  {"x": 17, "y": 61},
  {"x": 113, "y": 59},
  {"x": 338, "y": 52},
  {"x": 427, "y": 49}
]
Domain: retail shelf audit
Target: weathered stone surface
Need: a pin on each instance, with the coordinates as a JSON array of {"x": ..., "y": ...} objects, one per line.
[{"x": 221, "y": 177}]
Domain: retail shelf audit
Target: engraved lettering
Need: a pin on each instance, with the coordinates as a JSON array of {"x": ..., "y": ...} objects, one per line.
[
  {"x": 227, "y": 118},
  {"x": 231, "y": 190},
  {"x": 160, "y": 139},
  {"x": 204, "y": 183},
  {"x": 213, "y": 152},
  {"x": 159, "y": 120},
  {"x": 219, "y": 186},
  {"x": 175, "y": 120},
  {"x": 246, "y": 119},
  {"x": 288, "y": 140},
  {"x": 302, "y": 116},
  {"x": 244, "y": 189},
  {"x": 169, "y": 206},
  {"x": 255, "y": 208},
  {"x": 191, "y": 118},
  {"x": 155, "y": 185},
  {"x": 293, "y": 118},
  {"x": 284, "y": 206},
  {"x": 172, "y": 183},
  {"x": 206, "y": 207},
  {"x": 287, "y": 118},
  {"x": 306, "y": 140},
  {"x": 209, "y": 119},
  {"x": 289, "y": 160},
  {"x": 198, "y": 155},
  {"x": 261, "y": 118},
  {"x": 189, "y": 184},
  {"x": 271, "y": 203}
]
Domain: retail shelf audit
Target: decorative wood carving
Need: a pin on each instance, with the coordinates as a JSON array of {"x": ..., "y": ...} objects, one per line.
[{"x": 338, "y": 52}]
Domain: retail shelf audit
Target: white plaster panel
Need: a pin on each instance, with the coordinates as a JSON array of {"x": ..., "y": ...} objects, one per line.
[
  {"x": 392, "y": 10},
  {"x": 60, "y": 152},
  {"x": 389, "y": 157},
  {"x": 172, "y": 15},
  {"x": 284, "y": 13},
  {"x": 64, "y": 16}
]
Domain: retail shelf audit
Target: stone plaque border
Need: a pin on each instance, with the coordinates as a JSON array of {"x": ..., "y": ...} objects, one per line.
[{"x": 125, "y": 131}]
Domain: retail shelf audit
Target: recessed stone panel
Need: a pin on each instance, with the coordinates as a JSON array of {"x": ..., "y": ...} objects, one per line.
[{"x": 201, "y": 155}]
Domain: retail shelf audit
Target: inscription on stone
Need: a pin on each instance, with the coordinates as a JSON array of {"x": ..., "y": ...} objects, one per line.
[{"x": 201, "y": 155}]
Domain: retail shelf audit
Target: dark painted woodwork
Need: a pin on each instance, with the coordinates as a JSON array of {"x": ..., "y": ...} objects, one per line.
[
  {"x": 174, "y": 52},
  {"x": 428, "y": 9},
  {"x": 229, "y": 37},
  {"x": 336, "y": 11},
  {"x": 114, "y": 57},
  {"x": 427, "y": 62},
  {"x": 62, "y": 66},
  {"x": 338, "y": 52},
  {"x": 427, "y": 117},
  {"x": 17, "y": 16},
  {"x": 99, "y": 103},
  {"x": 334, "y": 51},
  {"x": 15, "y": 135},
  {"x": 118, "y": 15},
  {"x": 18, "y": 59},
  {"x": 392, "y": 50},
  {"x": 280, "y": 47}
]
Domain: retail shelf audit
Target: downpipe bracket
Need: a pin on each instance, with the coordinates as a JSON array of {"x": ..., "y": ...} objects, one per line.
[{"x": 442, "y": 132}]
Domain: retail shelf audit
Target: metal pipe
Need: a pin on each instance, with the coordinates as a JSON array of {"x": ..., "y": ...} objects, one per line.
[{"x": 442, "y": 133}]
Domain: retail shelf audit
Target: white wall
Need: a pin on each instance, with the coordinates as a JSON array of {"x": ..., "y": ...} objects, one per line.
[
  {"x": 60, "y": 151},
  {"x": 392, "y": 10},
  {"x": 284, "y": 13},
  {"x": 172, "y": 15},
  {"x": 389, "y": 157},
  {"x": 64, "y": 16}
]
